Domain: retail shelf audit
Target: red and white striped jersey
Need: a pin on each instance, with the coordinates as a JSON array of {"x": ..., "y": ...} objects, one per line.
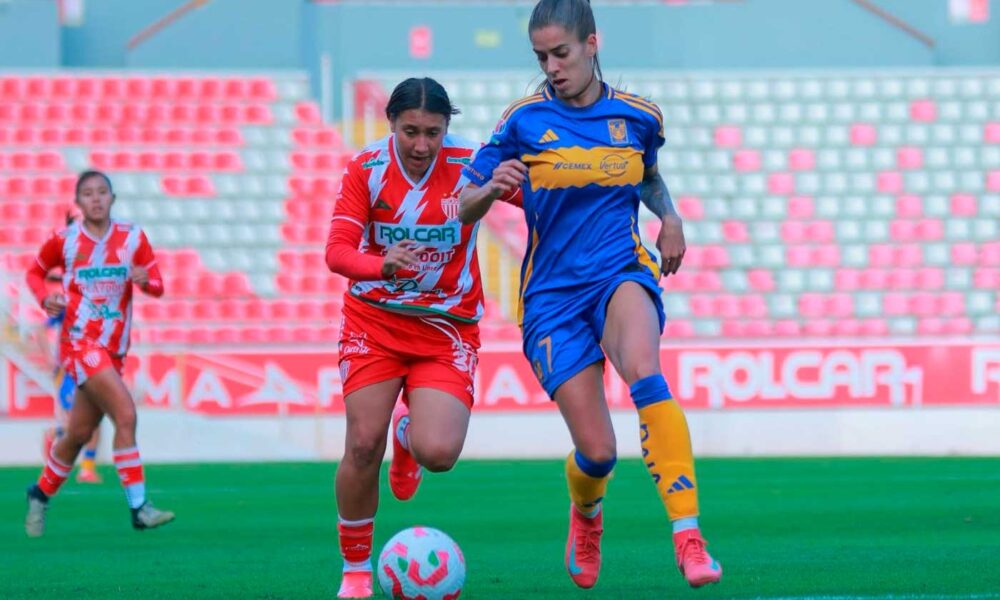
[
  {"x": 379, "y": 197},
  {"x": 97, "y": 281}
]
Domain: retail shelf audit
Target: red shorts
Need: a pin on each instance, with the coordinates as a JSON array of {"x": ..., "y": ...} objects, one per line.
[
  {"x": 428, "y": 351},
  {"x": 83, "y": 359}
]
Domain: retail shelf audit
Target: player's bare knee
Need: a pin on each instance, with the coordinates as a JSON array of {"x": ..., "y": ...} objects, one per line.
[
  {"x": 437, "y": 456},
  {"x": 125, "y": 421},
  {"x": 598, "y": 451},
  {"x": 364, "y": 450},
  {"x": 78, "y": 436},
  {"x": 641, "y": 367}
]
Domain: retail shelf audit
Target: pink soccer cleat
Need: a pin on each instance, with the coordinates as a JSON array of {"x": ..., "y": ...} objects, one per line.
[
  {"x": 356, "y": 584},
  {"x": 583, "y": 548},
  {"x": 88, "y": 476},
  {"x": 696, "y": 564},
  {"x": 404, "y": 472}
]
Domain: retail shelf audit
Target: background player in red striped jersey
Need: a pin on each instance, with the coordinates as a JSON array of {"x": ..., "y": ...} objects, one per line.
[
  {"x": 102, "y": 260},
  {"x": 410, "y": 313},
  {"x": 65, "y": 389}
]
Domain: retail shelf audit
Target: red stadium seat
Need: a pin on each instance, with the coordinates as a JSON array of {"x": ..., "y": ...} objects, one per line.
[
  {"x": 801, "y": 159},
  {"x": 728, "y": 136},
  {"x": 889, "y": 182},
  {"x": 308, "y": 113},
  {"x": 923, "y": 111},
  {"x": 909, "y": 158},
  {"x": 991, "y": 132},
  {"x": 746, "y": 161},
  {"x": 909, "y": 207},
  {"x": 262, "y": 89},
  {"x": 781, "y": 184}
]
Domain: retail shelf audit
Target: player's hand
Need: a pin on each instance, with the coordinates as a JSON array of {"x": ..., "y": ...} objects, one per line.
[
  {"x": 671, "y": 244},
  {"x": 508, "y": 176},
  {"x": 401, "y": 256},
  {"x": 54, "y": 304},
  {"x": 140, "y": 276}
]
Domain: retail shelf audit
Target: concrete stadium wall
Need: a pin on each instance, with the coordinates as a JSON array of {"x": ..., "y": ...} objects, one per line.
[
  {"x": 29, "y": 34},
  {"x": 170, "y": 436}
]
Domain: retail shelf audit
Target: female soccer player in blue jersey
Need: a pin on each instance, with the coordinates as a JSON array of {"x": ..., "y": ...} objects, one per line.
[{"x": 585, "y": 154}]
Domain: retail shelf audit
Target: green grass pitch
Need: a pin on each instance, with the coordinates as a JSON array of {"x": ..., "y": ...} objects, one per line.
[{"x": 782, "y": 528}]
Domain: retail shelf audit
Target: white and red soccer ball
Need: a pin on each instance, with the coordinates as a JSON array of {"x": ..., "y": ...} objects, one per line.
[{"x": 421, "y": 563}]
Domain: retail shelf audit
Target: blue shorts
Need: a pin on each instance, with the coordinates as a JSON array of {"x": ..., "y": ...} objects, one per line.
[
  {"x": 562, "y": 330},
  {"x": 67, "y": 390}
]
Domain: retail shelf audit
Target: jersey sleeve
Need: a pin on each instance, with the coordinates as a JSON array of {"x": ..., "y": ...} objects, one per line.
[
  {"x": 350, "y": 218},
  {"x": 49, "y": 257},
  {"x": 145, "y": 257},
  {"x": 502, "y": 146},
  {"x": 654, "y": 136}
]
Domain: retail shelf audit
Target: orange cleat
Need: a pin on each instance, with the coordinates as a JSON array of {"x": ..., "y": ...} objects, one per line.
[
  {"x": 88, "y": 476},
  {"x": 404, "y": 472},
  {"x": 583, "y": 547},
  {"x": 696, "y": 564},
  {"x": 356, "y": 584}
]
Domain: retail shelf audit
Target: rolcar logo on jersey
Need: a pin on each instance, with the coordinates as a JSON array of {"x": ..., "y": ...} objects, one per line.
[
  {"x": 85, "y": 273},
  {"x": 391, "y": 233}
]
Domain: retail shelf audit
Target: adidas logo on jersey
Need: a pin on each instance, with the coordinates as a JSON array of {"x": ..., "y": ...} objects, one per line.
[
  {"x": 548, "y": 136},
  {"x": 680, "y": 484}
]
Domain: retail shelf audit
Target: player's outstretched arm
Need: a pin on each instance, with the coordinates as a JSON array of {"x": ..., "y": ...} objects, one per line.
[
  {"x": 475, "y": 201},
  {"x": 654, "y": 194}
]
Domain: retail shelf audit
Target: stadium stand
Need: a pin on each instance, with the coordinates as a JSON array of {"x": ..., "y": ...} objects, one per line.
[{"x": 836, "y": 204}]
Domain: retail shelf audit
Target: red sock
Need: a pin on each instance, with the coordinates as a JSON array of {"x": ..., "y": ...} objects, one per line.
[
  {"x": 129, "y": 466},
  {"x": 53, "y": 475},
  {"x": 356, "y": 543}
]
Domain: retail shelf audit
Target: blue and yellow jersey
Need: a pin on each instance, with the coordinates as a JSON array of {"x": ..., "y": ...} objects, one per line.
[{"x": 581, "y": 199}]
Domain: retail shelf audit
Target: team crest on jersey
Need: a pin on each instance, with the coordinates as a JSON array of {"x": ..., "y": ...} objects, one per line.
[
  {"x": 449, "y": 205},
  {"x": 92, "y": 359},
  {"x": 618, "y": 131}
]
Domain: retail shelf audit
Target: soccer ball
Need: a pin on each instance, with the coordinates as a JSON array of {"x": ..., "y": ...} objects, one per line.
[{"x": 421, "y": 562}]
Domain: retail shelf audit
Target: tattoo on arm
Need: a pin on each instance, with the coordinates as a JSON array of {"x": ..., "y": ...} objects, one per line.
[{"x": 654, "y": 194}]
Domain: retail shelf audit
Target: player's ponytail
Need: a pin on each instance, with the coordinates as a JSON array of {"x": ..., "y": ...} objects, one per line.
[
  {"x": 575, "y": 16},
  {"x": 92, "y": 173},
  {"x": 424, "y": 93}
]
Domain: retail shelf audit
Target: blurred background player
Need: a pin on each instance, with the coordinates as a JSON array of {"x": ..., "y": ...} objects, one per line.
[
  {"x": 410, "y": 313},
  {"x": 587, "y": 154},
  {"x": 102, "y": 259},
  {"x": 48, "y": 341}
]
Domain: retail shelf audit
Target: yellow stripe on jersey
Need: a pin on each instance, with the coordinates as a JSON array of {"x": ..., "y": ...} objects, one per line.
[
  {"x": 527, "y": 277},
  {"x": 560, "y": 168},
  {"x": 639, "y": 99},
  {"x": 643, "y": 106},
  {"x": 520, "y": 103},
  {"x": 641, "y": 253}
]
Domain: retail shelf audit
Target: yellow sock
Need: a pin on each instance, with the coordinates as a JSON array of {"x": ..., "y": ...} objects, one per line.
[
  {"x": 666, "y": 446},
  {"x": 588, "y": 482}
]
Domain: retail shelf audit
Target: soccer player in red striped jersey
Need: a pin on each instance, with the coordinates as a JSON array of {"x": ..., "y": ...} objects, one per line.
[
  {"x": 410, "y": 313},
  {"x": 101, "y": 259}
]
